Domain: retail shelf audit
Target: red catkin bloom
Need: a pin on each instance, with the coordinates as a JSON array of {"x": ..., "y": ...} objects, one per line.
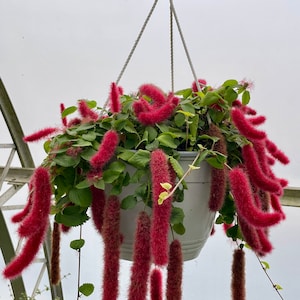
[
  {"x": 41, "y": 134},
  {"x": 19, "y": 217},
  {"x": 156, "y": 285},
  {"x": 111, "y": 239},
  {"x": 258, "y": 120},
  {"x": 250, "y": 235},
  {"x": 276, "y": 153},
  {"x": 97, "y": 207},
  {"x": 86, "y": 112},
  {"x": 106, "y": 150},
  {"x": 114, "y": 96},
  {"x": 266, "y": 246},
  {"x": 175, "y": 268},
  {"x": 276, "y": 205},
  {"x": 160, "y": 114},
  {"x": 161, "y": 212},
  {"x": 55, "y": 255},
  {"x": 244, "y": 201},
  {"x": 63, "y": 119},
  {"x": 141, "y": 259},
  {"x": 41, "y": 202},
  {"x": 74, "y": 122},
  {"x": 238, "y": 281},
  {"x": 153, "y": 92},
  {"x": 218, "y": 176},
  {"x": 27, "y": 254},
  {"x": 256, "y": 173},
  {"x": 245, "y": 127}
]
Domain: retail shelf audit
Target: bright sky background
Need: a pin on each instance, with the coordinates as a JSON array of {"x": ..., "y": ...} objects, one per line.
[{"x": 60, "y": 51}]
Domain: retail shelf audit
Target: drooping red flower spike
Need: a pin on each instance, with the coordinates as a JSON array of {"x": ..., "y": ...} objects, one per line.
[
  {"x": 86, "y": 112},
  {"x": 41, "y": 134},
  {"x": 245, "y": 127},
  {"x": 238, "y": 281},
  {"x": 175, "y": 268},
  {"x": 245, "y": 204},
  {"x": 258, "y": 120},
  {"x": 27, "y": 254},
  {"x": 218, "y": 176},
  {"x": 141, "y": 259},
  {"x": 55, "y": 255},
  {"x": 106, "y": 150},
  {"x": 247, "y": 110},
  {"x": 111, "y": 239},
  {"x": 256, "y": 173},
  {"x": 141, "y": 105},
  {"x": 19, "y": 217},
  {"x": 161, "y": 212},
  {"x": 41, "y": 202},
  {"x": 156, "y": 285},
  {"x": 97, "y": 207},
  {"x": 63, "y": 119},
  {"x": 276, "y": 153},
  {"x": 266, "y": 246},
  {"x": 154, "y": 93},
  {"x": 114, "y": 96}
]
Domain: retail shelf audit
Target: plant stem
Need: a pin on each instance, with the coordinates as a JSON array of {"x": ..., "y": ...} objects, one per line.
[
  {"x": 268, "y": 276},
  {"x": 79, "y": 264}
]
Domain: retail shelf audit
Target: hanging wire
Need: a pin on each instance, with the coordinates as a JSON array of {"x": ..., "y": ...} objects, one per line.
[
  {"x": 133, "y": 49},
  {"x": 184, "y": 44},
  {"x": 172, "y": 50}
]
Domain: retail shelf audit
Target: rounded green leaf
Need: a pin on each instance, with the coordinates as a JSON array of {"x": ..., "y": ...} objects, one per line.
[
  {"x": 77, "y": 244},
  {"x": 128, "y": 202},
  {"x": 86, "y": 289},
  {"x": 179, "y": 228}
]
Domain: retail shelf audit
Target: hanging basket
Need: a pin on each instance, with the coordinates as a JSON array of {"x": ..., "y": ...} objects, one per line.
[{"x": 198, "y": 220}]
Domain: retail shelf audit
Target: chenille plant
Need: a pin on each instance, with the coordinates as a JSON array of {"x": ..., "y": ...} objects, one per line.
[{"x": 86, "y": 167}]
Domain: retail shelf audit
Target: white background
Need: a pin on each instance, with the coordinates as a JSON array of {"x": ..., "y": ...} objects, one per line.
[{"x": 60, "y": 51}]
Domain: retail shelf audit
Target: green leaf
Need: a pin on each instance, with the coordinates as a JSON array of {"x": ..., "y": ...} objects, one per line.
[
  {"x": 91, "y": 103},
  {"x": 152, "y": 133},
  {"x": 210, "y": 98},
  {"x": 137, "y": 175},
  {"x": 166, "y": 140},
  {"x": 177, "y": 215},
  {"x": 82, "y": 143},
  {"x": 77, "y": 244},
  {"x": 230, "y": 82},
  {"x": 81, "y": 197},
  {"x": 128, "y": 202},
  {"x": 217, "y": 161},
  {"x": 88, "y": 153},
  {"x": 278, "y": 287},
  {"x": 187, "y": 108},
  {"x": 140, "y": 158},
  {"x": 246, "y": 97},
  {"x": 86, "y": 289},
  {"x": 109, "y": 176},
  {"x": 265, "y": 264},
  {"x": 83, "y": 184},
  {"x": 68, "y": 111},
  {"x": 71, "y": 216},
  {"x": 126, "y": 155},
  {"x": 179, "y": 228},
  {"x": 90, "y": 136},
  {"x": 100, "y": 184},
  {"x": 66, "y": 160},
  {"x": 179, "y": 119},
  {"x": 230, "y": 95},
  {"x": 117, "y": 166}
]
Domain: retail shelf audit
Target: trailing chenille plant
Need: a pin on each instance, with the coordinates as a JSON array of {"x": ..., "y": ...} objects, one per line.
[{"x": 86, "y": 167}]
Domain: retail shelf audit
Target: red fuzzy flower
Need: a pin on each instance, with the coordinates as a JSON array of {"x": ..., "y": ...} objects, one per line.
[
  {"x": 245, "y": 127},
  {"x": 175, "y": 266},
  {"x": 114, "y": 96},
  {"x": 86, "y": 112},
  {"x": 55, "y": 255},
  {"x": 154, "y": 93},
  {"x": 41, "y": 134},
  {"x": 256, "y": 173},
  {"x": 63, "y": 119},
  {"x": 41, "y": 202},
  {"x": 245, "y": 204},
  {"x": 238, "y": 288},
  {"x": 97, "y": 207},
  {"x": 156, "y": 285},
  {"x": 111, "y": 239},
  {"x": 141, "y": 259},
  {"x": 202, "y": 83},
  {"x": 276, "y": 153},
  {"x": 106, "y": 150},
  {"x": 161, "y": 212}
]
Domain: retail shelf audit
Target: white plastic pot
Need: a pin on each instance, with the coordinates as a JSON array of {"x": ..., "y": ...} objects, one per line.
[{"x": 198, "y": 219}]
